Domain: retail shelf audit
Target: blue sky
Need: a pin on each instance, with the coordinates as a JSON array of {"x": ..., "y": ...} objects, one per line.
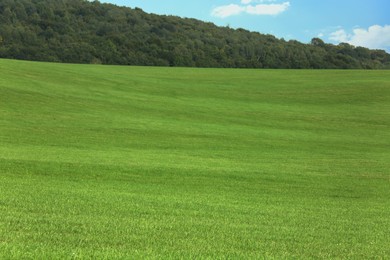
[{"x": 358, "y": 22}]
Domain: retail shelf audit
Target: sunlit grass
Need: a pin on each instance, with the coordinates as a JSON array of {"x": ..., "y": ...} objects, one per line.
[{"x": 125, "y": 162}]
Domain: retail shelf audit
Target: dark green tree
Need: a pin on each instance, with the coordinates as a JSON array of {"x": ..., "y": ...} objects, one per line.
[{"x": 81, "y": 31}]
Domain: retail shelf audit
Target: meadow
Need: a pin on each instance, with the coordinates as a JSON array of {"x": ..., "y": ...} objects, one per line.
[{"x": 121, "y": 162}]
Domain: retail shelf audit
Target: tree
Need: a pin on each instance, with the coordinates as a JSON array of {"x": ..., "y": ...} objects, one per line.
[
  {"x": 317, "y": 42},
  {"x": 89, "y": 31}
]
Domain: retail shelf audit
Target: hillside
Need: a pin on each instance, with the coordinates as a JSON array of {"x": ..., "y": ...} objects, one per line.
[
  {"x": 79, "y": 31},
  {"x": 121, "y": 162}
]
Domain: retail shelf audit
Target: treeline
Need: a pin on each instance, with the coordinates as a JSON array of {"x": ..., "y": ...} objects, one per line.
[{"x": 79, "y": 31}]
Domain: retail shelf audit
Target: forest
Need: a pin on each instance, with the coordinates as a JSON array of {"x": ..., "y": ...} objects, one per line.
[{"x": 80, "y": 31}]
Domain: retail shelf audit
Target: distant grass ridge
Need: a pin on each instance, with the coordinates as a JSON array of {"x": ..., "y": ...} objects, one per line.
[{"x": 128, "y": 162}]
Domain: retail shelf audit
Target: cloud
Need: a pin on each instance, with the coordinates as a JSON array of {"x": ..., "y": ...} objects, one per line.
[
  {"x": 227, "y": 10},
  {"x": 267, "y": 9},
  {"x": 339, "y": 36},
  {"x": 246, "y": 2},
  {"x": 259, "y": 9},
  {"x": 375, "y": 37}
]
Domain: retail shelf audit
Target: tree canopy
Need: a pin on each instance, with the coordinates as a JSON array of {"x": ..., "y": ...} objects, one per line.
[{"x": 79, "y": 31}]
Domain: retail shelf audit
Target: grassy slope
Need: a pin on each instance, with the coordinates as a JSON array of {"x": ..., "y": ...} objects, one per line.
[{"x": 104, "y": 161}]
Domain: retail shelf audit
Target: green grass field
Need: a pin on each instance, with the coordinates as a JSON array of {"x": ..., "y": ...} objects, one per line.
[{"x": 127, "y": 162}]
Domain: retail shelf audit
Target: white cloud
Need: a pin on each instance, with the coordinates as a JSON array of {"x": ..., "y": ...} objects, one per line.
[
  {"x": 260, "y": 9},
  {"x": 339, "y": 36},
  {"x": 375, "y": 37},
  {"x": 227, "y": 10},
  {"x": 267, "y": 9},
  {"x": 246, "y": 2}
]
